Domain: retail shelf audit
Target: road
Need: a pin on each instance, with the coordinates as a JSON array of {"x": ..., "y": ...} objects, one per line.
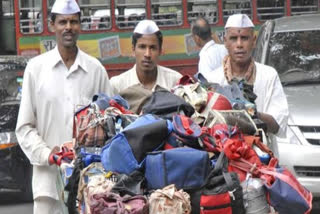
[
  {"x": 12, "y": 207},
  {"x": 27, "y": 208}
]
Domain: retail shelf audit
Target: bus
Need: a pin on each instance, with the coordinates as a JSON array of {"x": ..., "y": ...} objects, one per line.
[{"x": 107, "y": 25}]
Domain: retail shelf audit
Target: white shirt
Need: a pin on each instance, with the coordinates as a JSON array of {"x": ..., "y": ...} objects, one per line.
[
  {"x": 270, "y": 95},
  {"x": 50, "y": 94},
  {"x": 211, "y": 57},
  {"x": 166, "y": 78}
]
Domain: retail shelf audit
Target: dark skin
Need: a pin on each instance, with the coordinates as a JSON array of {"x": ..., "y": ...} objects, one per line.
[
  {"x": 147, "y": 52},
  {"x": 240, "y": 43},
  {"x": 67, "y": 29},
  {"x": 200, "y": 43}
]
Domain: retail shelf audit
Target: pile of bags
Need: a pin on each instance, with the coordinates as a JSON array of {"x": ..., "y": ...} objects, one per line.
[{"x": 191, "y": 150}]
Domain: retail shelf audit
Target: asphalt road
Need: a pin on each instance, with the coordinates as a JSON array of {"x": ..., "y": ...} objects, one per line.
[
  {"x": 27, "y": 208},
  {"x": 8, "y": 205},
  {"x": 13, "y": 207}
]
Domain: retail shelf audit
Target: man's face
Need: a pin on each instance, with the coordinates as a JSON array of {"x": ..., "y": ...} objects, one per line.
[
  {"x": 147, "y": 52},
  {"x": 240, "y": 42},
  {"x": 66, "y": 28}
]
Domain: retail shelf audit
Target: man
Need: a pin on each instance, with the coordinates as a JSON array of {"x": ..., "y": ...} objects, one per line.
[
  {"x": 271, "y": 102},
  {"x": 211, "y": 54},
  {"x": 147, "y": 47},
  {"x": 54, "y": 83}
]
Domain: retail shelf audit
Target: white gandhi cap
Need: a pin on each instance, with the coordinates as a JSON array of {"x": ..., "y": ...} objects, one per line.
[
  {"x": 146, "y": 27},
  {"x": 239, "y": 21},
  {"x": 65, "y": 7}
]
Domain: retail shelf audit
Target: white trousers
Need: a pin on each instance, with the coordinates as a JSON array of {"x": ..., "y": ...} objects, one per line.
[{"x": 47, "y": 205}]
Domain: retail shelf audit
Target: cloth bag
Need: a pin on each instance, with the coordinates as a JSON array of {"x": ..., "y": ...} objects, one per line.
[
  {"x": 113, "y": 203},
  {"x": 127, "y": 150},
  {"x": 193, "y": 94},
  {"x": 185, "y": 133},
  {"x": 165, "y": 104},
  {"x": 284, "y": 191},
  {"x": 221, "y": 192},
  {"x": 187, "y": 168},
  {"x": 169, "y": 200}
]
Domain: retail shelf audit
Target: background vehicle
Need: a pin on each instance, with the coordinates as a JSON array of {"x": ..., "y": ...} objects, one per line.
[
  {"x": 292, "y": 46},
  {"x": 15, "y": 168},
  {"x": 107, "y": 26}
]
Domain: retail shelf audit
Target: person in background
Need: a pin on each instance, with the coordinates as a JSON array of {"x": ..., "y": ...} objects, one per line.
[
  {"x": 211, "y": 54},
  {"x": 54, "y": 84},
  {"x": 239, "y": 66},
  {"x": 146, "y": 75}
]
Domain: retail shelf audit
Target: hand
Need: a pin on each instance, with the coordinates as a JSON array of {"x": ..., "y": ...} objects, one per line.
[{"x": 53, "y": 151}]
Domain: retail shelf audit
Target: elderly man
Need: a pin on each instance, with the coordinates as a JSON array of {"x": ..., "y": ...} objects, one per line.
[
  {"x": 54, "y": 83},
  {"x": 271, "y": 102},
  {"x": 211, "y": 54},
  {"x": 146, "y": 73}
]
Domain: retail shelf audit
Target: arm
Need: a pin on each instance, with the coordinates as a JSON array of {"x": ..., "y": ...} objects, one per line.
[
  {"x": 272, "y": 101},
  {"x": 28, "y": 137},
  {"x": 272, "y": 125}
]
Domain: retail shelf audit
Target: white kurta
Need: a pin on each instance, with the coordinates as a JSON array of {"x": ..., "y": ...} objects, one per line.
[
  {"x": 50, "y": 94},
  {"x": 166, "y": 78},
  {"x": 270, "y": 95},
  {"x": 211, "y": 57}
]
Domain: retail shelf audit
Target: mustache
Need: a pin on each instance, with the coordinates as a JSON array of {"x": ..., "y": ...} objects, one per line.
[{"x": 67, "y": 33}]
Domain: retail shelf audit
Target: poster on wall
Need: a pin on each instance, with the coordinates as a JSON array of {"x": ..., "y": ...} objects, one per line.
[
  {"x": 191, "y": 47},
  {"x": 109, "y": 47}
]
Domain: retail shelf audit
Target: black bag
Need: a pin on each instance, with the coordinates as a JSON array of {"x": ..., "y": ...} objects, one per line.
[
  {"x": 72, "y": 186},
  {"x": 222, "y": 192},
  {"x": 165, "y": 104},
  {"x": 132, "y": 184}
]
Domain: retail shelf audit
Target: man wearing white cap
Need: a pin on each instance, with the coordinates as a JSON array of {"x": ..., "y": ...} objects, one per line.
[
  {"x": 211, "y": 54},
  {"x": 271, "y": 102},
  {"x": 54, "y": 84},
  {"x": 147, "y": 47}
]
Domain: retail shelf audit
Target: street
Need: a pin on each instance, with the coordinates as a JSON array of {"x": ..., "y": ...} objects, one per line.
[{"x": 11, "y": 207}]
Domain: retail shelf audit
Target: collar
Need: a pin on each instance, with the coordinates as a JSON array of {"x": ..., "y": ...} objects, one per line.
[
  {"x": 80, "y": 60},
  {"x": 157, "y": 82}
]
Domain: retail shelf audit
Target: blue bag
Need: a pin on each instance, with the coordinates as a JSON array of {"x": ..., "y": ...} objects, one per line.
[
  {"x": 286, "y": 194},
  {"x": 185, "y": 133},
  {"x": 187, "y": 168},
  {"x": 127, "y": 150}
]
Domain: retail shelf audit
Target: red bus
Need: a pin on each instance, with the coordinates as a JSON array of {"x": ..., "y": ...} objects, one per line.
[{"x": 107, "y": 26}]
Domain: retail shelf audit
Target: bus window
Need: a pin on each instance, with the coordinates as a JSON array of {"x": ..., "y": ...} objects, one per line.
[
  {"x": 129, "y": 12},
  {"x": 204, "y": 8},
  {"x": 167, "y": 12},
  {"x": 270, "y": 9},
  {"x": 95, "y": 14},
  {"x": 231, "y": 7},
  {"x": 6, "y": 8},
  {"x": 31, "y": 16},
  {"x": 299, "y": 7}
]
